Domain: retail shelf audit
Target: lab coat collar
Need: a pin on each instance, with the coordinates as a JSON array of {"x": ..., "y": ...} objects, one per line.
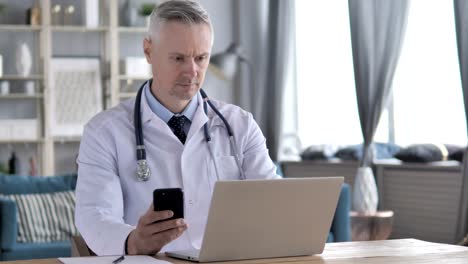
[
  {"x": 146, "y": 113},
  {"x": 198, "y": 121},
  {"x": 165, "y": 114}
]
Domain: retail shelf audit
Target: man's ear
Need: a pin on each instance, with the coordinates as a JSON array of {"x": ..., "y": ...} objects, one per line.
[{"x": 147, "y": 49}]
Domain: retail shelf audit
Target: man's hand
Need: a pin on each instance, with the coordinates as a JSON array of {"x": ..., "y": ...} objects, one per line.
[{"x": 149, "y": 237}]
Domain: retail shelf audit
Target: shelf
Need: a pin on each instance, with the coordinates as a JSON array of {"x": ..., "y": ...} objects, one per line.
[
  {"x": 21, "y": 96},
  {"x": 21, "y": 141},
  {"x": 19, "y": 28},
  {"x": 133, "y": 78},
  {"x": 133, "y": 29},
  {"x": 127, "y": 95},
  {"x": 21, "y": 78},
  {"x": 78, "y": 29},
  {"x": 70, "y": 139}
]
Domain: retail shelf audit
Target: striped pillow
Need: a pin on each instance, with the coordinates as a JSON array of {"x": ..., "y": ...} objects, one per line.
[{"x": 45, "y": 217}]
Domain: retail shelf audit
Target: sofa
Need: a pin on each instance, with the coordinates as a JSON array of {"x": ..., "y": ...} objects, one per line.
[{"x": 10, "y": 249}]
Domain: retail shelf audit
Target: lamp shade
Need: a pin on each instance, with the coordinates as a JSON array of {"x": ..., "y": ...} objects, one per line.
[{"x": 226, "y": 62}]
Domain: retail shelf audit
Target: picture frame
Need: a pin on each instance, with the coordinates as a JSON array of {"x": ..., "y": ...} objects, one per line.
[{"x": 75, "y": 94}]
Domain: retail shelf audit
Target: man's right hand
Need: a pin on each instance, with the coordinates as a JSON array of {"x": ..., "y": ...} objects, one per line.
[{"x": 149, "y": 237}]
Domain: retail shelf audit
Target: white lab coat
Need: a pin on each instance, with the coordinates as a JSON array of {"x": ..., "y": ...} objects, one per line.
[{"x": 110, "y": 199}]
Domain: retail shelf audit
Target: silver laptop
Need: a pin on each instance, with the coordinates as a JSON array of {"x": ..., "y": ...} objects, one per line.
[{"x": 254, "y": 219}]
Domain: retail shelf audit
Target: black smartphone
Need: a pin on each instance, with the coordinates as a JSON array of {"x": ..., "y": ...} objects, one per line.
[{"x": 169, "y": 199}]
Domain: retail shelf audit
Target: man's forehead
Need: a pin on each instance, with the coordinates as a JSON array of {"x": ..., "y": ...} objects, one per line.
[{"x": 179, "y": 33}]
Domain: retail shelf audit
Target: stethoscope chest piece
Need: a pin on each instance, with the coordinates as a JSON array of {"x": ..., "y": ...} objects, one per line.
[{"x": 143, "y": 171}]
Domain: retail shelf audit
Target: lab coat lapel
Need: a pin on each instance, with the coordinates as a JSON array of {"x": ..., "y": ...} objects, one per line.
[
  {"x": 147, "y": 116},
  {"x": 199, "y": 119}
]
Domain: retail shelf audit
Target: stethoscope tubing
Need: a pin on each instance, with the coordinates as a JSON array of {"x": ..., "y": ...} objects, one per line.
[{"x": 143, "y": 170}]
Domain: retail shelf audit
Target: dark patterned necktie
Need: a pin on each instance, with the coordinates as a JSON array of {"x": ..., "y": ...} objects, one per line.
[{"x": 176, "y": 123}]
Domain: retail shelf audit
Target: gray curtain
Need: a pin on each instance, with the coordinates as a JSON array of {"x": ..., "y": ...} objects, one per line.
[
  {"x": 377, "y": 31},
  {"x": 267, "y": 34},
  {"x": 461, "y": 23}
]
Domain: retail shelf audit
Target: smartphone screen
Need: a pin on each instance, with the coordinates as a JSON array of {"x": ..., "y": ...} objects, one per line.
[{"x": 169, "y": 199}]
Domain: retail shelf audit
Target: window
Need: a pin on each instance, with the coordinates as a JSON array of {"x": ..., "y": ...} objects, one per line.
[
  {"x": 427, "y": 94},
  {"x": 427, "y": 87},
  {"x": 328, "y": 112}
]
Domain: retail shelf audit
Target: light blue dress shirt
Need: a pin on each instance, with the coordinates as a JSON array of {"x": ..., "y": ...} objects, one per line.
[{"x": 165, "y": 114}]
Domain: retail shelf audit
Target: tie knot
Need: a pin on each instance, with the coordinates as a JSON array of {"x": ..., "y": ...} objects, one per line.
[{"x": 176, "y": 123}]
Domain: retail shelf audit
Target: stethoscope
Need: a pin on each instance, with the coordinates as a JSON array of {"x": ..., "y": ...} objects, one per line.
[{"x": 143, "y": 171}]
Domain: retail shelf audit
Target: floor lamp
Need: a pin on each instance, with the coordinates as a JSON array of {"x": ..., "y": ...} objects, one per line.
[{"x": 224, "y": 65}]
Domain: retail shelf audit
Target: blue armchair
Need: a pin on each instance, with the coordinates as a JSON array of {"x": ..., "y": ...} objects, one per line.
[
  {"x": 10, "y": 249},
  {"x": 341, "y": 226}
]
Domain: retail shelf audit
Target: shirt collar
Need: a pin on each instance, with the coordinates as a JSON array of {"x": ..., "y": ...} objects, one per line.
[{"x": 165, "y": 114}]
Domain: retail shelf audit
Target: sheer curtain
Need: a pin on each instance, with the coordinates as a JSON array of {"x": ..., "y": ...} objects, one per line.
[
  {"x": 267, "y": 33},
  {"x": 377, "y": 34}
]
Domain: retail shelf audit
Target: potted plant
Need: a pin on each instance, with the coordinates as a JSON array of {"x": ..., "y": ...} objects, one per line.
[{"x": 145, "y": 11}]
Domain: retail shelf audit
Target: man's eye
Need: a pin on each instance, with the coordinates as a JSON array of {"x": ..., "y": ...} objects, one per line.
[{"x": 179, "y": 59}]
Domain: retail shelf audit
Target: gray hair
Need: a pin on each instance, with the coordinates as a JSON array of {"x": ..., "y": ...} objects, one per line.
[{"x": 184, "y": 11}]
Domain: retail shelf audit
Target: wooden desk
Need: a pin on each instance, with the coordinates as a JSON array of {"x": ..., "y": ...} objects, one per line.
[{"x": 376, "y": 252}]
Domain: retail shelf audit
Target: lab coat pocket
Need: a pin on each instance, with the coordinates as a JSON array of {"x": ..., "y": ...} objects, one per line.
[{"x": 227, "y": 168}]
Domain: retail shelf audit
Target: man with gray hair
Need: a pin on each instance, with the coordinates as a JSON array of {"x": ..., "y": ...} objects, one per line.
[{"x": 114, "y": 210}]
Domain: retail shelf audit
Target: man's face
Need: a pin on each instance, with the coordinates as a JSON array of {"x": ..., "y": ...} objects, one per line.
[{"x": 179, "y": 54}]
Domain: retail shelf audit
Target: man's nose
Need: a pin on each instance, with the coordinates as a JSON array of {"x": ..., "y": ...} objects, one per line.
[{"x": 191, "y": 68}]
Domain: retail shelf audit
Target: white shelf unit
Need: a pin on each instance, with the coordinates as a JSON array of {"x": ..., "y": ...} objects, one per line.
[
  {"x": 78, "y": 29},
  {"x": 21, "y": 78},
  {"x": 133, "y": 29},
  {"x": 21, "y": 96},
  {"x": 111, "y": 77},
  {"x": 16, "y": 28}
]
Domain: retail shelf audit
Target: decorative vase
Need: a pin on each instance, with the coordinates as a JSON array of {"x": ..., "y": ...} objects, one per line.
[
  {"x": 4, "y": 88},
  {"x": 23, "y": 59},
  {"x": 365, "y": 197},
  {"x": 34, "y": 16},
  {"x": 91, "y": 13},
  {"x": 29, "y": 88},
  {"x": 56, "y": 15},
  {"x": 68, "y": 15}
]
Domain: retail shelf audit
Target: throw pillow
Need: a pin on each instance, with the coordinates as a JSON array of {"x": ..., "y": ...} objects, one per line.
[{"x": 45, "y": 217}]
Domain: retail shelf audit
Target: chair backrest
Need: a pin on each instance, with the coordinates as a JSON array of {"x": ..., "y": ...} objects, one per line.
[{"x": 79, "y": 248}]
